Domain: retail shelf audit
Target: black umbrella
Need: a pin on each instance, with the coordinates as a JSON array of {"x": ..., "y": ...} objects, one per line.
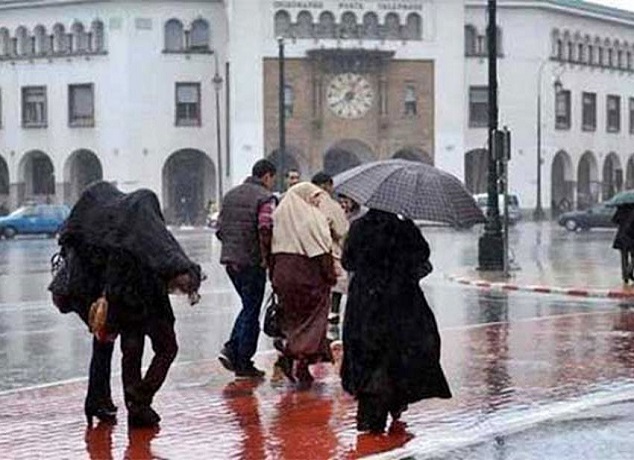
[{"x": 412, "y": 189}]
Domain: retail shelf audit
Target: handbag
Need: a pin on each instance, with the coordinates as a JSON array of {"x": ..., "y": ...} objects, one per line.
[{"x": 272, "y": 320}]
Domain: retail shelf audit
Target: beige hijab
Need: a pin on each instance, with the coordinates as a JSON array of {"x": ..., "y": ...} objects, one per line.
[
  {"x": 337, "y": 221},
  {"x": 299, "y": 227}
]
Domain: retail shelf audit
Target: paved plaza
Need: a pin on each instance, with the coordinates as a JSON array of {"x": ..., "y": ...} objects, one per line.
[{"x": 533, "y": 375}]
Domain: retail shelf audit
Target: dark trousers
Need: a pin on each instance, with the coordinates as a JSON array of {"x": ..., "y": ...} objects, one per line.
[
  {"x": 140, "y": 389},
  {"x": 626, "y": 265},
  {"x": 99, "y": 375},
  {"x": 243, "y": 343}
]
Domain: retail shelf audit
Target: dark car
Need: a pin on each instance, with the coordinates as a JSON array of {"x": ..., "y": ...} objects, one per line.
[
  {"x": 34, "y": 219},
  {"x": 598, "y": 216}
]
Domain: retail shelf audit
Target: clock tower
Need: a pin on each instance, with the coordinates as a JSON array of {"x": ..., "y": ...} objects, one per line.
[{"x": 349, "y": 106}]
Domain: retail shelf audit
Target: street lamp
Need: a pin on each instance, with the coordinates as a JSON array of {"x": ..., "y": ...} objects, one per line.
[
  {"x": 491, "y": 243},
  {"x": 281, "y": 109},
  {"x": 217, "y": 82},
  {"x": 539, "y": 214}
]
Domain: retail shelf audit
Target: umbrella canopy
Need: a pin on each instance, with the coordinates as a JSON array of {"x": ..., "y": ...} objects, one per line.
[
  {"x": 624, "y": 197},
  {"x": 412, "y": 189}
]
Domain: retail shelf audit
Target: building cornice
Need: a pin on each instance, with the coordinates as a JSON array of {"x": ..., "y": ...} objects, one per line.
[
  {"x": 22, "y": 4},
  {"x": 572, "y": 7}
]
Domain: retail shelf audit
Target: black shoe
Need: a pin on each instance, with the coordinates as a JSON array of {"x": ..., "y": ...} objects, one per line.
[
  {"x": 102, "y": 412},
  {"x": 226, "y": 359},
  {"x": 398, "y": 411},
  {"x": 250, "y": 372},
  {"x": 142, "y": 416}
]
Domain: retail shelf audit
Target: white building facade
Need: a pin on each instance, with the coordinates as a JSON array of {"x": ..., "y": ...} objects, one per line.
[
  {"x": 124, "y": 91},
  {"x": 121, "y": 91}
]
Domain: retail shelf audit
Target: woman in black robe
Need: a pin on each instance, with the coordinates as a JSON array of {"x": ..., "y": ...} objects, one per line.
[{"x": 391, "y": 342}]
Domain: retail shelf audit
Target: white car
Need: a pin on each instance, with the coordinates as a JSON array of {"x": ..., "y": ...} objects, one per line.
[{"x": 515, "y": 213}]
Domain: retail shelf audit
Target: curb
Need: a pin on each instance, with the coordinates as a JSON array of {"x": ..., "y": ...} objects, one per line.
[{"x": 574, "y": 292}]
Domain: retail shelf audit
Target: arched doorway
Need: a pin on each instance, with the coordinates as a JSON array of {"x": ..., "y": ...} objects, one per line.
[
  {"x": 81, "y": 168},
  {"x": 413, "y": 154},
  {"x": 285, "y": 162},
  {"x": 588, "y": 186},
  {"x": 562, "y": 184},
  {"x": 189, "y": 182},
  {"x": 629, "y": 174},
  {"x": 476, "y": 170},
  {"x": 612, "y": 176},
  {"x": 36, "y": 178},
  {"x": 345, "y": 155}
]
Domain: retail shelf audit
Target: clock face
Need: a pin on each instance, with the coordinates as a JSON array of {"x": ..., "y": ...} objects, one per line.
[{"x": 349, "y": 95}]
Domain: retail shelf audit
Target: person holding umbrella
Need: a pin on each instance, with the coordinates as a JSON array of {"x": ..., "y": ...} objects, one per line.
[
  {"x": 624, "y": 239},
  {"x": 391, "y": 342}
]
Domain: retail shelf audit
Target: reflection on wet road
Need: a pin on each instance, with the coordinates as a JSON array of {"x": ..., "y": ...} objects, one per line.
[{"x": 516, "y": 362}]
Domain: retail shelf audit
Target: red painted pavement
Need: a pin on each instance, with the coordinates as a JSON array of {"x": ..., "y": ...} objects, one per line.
[{"x": 502, "y": 375}]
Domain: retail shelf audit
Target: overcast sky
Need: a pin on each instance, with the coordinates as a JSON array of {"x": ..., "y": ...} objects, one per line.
[{"x": 623, "y": 4}]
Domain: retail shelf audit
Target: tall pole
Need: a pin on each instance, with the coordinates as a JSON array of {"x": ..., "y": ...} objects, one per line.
[
  {"x": 281, "y": 109},
  {"x": 217, "y": 81},
  {"x": 491, "y": 244},
  {"x": 538, "y": 214}
]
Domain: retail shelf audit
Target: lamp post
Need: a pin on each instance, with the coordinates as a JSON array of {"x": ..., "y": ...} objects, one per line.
[
  {"x": 539, "y": 214},
  {"x": 491, "y": 243},
  {"x": 217, "y": 82},
  {"x": 281, "y": 110}
]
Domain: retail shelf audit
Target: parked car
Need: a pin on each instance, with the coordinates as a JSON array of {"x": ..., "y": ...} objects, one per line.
[
  {"x": 34, "y": 219},
  {"x": 515, "y": 214},
  {"x": 598, "y": 216}
]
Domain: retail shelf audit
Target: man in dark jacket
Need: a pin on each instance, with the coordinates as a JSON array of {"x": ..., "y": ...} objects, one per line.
[{"x": 245, "y": 227}]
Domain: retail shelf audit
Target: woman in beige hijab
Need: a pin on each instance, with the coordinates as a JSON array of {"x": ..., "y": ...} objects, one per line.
[{"x": 302, "y": 274}]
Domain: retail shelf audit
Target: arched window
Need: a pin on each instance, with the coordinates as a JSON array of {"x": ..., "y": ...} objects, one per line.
[
  {"x": 628, "y": 60},
  {"x": 174, "y": 35},
  {"x": 80, "y": 38},
  {"x": 199, "y": 36},
  {"x": 282, "y": 24},
  {"x": 348, "y": 25},
  {"x": 581, "y": 53},
  {"x": 5, "y": 42},
  {"x": 556, "y": 44},
  {"x": 413, "y": 27},
  {"x": 304, "y": 25},
  {"x": 23, "y": 41},
  {"x": 289, "y": 101},
  {"x": 327, "y": 25},
  {"x": 392, "y": 26},
  {"x": 470, "y": 40},
  {"x": 600, "y": 56},
  {"x": 370, "y": 26},
  {"x": 610, "y": 57},
  {"x": 60, "y": 40},
  {"x": 570, "y": 51},
  {"x": 42, "y": 43},
  {"x": 97, "y": 37},
  {"x": 591, "y": 57}
]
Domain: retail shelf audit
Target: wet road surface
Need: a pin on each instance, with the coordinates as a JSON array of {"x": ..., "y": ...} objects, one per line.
[{"x": 518, "y": 364}]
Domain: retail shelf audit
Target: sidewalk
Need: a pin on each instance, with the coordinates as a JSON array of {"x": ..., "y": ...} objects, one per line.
[
  {"x": 548, "y": 260},
  {"x": 505, "y": 377}
]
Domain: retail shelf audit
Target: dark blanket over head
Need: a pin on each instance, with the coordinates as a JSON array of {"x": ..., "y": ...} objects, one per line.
[
  {"x": 118, "y": 244},
  {"x": 109, "y": 219}
]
